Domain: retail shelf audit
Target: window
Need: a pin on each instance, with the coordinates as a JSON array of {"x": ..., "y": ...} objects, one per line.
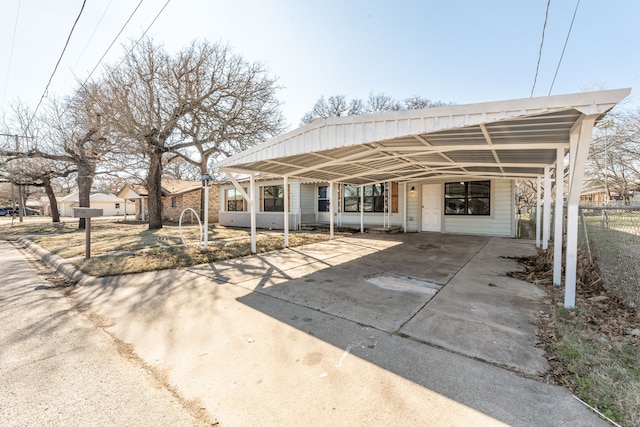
[
  {"x": 467, "y": 198},
  {"x": 174, "y": 202},
  {"x": 373, "y": 198},
  {"x": 273, "y": 198},
  {"x": 323, "y": 198},
  {"x": 235, "y": 202},
  {"x": 117, "y": 205}
]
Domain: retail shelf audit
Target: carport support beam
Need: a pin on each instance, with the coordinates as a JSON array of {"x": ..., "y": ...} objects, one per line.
[
  {"x": 404, "y": 208},
  {"x": 559, "y": 218},
  {"x": 538, "y": 207},
  {"x": 286, "y": 211},
  {"x": 547, "y": 209},
  {"x": 580, "y": 139},
  {"x": 361, "y": 209},
  {"x": 332, "y": 198},
  {"x": 252, "y": 189}
]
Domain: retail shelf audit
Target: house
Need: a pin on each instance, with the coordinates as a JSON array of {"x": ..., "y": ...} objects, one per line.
[
  {"x": 110, "y": 204},
  {"x": 177, "y": 195},
  {"x": 455, "y": 168},
  {"x": 597, "y": 196}
]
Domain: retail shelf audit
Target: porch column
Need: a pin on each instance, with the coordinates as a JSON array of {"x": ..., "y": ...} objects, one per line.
[
  {"x": 142, "y": 208},
  {"x": 361, "y": 209},
  {"x": 580, "y": 139},
  {"x": 547, "y": 209},
  {"x": 286, "y": 211},
  {"x": 538, "y": 207},
  {"x": 332, "y": 198},
  {"x": 559, "y": 216}
]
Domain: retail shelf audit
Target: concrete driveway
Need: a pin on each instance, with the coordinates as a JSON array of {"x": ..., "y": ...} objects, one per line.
[{"x": 405, "y": 329}]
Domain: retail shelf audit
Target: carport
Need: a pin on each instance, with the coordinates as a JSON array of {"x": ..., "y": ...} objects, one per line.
[{"x": 514, "y": 139}]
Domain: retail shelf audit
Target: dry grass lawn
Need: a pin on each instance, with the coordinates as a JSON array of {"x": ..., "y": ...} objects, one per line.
[{"x": 124, "y": 248}]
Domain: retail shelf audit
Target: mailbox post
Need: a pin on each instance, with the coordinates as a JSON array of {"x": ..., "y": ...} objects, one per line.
[{"x": 87, "y": 213}]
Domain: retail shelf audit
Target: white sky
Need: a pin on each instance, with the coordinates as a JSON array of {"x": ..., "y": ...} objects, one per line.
[{"x": 461, "y": 51}]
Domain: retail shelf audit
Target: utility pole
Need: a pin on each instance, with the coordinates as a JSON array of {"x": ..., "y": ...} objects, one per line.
[
  {"x": 19, "y": 186},
  {"x": 20, "y": 200}
]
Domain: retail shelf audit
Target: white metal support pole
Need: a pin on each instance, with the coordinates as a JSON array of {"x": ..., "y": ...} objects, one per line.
[
  {"x": 404, "y": 207},
  {"x": 547, "y": 209},
  {"x": 286, "y": 211},
  {"x": 538, "y": 208},
  {"x": 142, "y": 208},
  {"x": 332, "y": 197},
  {"x": 361, "y": 209},
  {"x": 206, "y": 215},
  {"x": 253, "y": 205},
  {"x": 580, "y": 138},
  {"x": 559, "y": 218}
]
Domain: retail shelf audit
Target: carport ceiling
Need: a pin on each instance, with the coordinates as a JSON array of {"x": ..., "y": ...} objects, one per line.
[{"x": 504, "y": 139}]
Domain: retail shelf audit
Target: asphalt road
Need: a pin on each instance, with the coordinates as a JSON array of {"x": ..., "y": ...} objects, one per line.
[{"x": 58, "y": 366}]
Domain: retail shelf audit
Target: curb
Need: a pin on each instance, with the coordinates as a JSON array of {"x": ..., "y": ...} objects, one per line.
[{"x": 59, "y": 264}]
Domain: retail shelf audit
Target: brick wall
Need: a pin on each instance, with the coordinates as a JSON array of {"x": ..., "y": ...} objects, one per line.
[{"x": 187, "y": 200}]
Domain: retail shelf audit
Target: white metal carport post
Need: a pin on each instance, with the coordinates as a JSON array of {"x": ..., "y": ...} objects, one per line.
[
  {"x": 538, "y": 207},
  {"x": 404, "y": 208},
  {"x": 286, "y": 211},
  {"x": 251, "y": 202},
  {"x": 547, "y": 209},
  {"x": 361, "y": 209},
  {"x": 332, "y": 197},
  {"x": 559, "y": 218},
  {"x": 580, "y": 139}
]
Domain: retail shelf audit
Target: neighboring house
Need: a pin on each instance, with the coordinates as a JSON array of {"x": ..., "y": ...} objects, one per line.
[
  {"x": 597, "y": 196},
  {"x": 177, "y": 195},
  {"x": 110, "y": 204}
]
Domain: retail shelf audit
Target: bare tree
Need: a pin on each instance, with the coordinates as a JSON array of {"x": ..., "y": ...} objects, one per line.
[
  {"x": 205, "y": 99},
  {"x": 614, "y": 154},
  {"x": 380, "y": 103},
  {"x": 337, "y": 106},
  {"x": 334, "y": 106}
]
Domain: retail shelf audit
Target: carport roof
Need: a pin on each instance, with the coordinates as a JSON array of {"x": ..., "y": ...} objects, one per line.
[{"x": 503, "y": 139}]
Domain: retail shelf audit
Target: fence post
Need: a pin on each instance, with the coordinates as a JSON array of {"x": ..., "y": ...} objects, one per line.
[{"x": 586, "y": 235}]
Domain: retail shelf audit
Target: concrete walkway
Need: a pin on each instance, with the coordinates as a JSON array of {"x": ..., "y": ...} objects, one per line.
[{"x": 346, "y": 332}]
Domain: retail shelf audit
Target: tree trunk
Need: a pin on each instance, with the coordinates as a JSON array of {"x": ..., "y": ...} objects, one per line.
[
  {"x": 154, "y": 189},
  {"x": 85, "y": 181},
  {"x": 55, "y": 214}
]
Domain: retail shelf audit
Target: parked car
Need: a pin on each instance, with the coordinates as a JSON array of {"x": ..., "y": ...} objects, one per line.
[
  {"x": 6, "y": 211},
  {"x": 29, "y": 211}
]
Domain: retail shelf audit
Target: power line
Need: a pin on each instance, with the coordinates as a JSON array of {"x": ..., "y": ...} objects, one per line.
[
  {"x": 13, "y": 42},
  {"x": 112, "y": 43},
  {"x": 46, "y": 89},
  {"x": 535, "y": 79},
  {"x": 564, "y": 47},
  {"x": 93, "y": 33},
  {"x": 83, "y": 84},
  {"x": 134, "y": 45}
]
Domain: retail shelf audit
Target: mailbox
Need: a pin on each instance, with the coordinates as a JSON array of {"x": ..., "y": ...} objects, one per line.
[{"x": 86, "y": 212}]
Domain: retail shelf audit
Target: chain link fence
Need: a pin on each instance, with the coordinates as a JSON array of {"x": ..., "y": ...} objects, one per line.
[
  {"x": 613, "y": 235},
  {"x": 610, "y": 236}
]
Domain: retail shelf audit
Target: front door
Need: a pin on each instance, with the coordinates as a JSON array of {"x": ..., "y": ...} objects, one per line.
[
  {"x": 323, "y": 204},
  {"x": 431, "y": 207}
]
